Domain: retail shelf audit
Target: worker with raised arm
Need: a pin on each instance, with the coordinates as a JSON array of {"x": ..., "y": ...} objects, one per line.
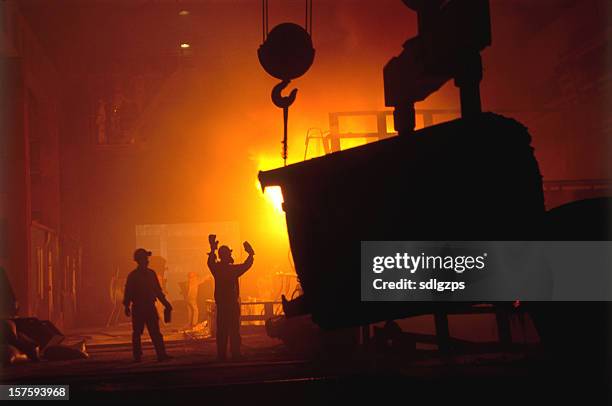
[{"x": 227, "y": 294}]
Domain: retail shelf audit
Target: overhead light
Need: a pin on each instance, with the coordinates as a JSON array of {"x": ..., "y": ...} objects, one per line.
[
  {"x": 184, "y": 13},
  {"x": 185, "y": 45}
]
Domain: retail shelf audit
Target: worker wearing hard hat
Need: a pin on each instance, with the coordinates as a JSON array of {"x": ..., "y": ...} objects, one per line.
[
  {"x": 142, "y": 289},
  {"x": 227, "y": 292}
]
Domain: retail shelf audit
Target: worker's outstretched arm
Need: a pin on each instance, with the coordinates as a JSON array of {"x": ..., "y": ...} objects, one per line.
[
  {"x": 212, "y": 262},
  {"x": 212, "y": 255},
  {"x": 246, "y": 265}
]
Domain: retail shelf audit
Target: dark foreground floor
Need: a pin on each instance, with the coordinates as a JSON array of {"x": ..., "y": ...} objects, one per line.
[{"x": 270, "y": 374}]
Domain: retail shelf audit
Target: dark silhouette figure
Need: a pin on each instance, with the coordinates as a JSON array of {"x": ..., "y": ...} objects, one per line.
[
  {"x": 227, "y": 292},
  {"x": 142, "y": 289}
]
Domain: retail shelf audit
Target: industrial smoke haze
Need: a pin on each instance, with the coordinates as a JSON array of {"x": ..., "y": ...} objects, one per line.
[
  {"x": 218, "y": 127},
  {"x": 213, "y": 126}
]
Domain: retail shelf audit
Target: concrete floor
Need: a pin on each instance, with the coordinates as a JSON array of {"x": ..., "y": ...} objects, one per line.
[
  {"x": 272, "y": 374},
  {"x": 110, "y": 353}
]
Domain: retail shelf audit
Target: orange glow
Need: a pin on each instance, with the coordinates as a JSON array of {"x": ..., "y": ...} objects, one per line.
[
  {"x": 275, "y": 197},
  {"x": 273, "y": 194},
  {"x": 197, "y": 129},
  {"x": 347, "y": 143}
]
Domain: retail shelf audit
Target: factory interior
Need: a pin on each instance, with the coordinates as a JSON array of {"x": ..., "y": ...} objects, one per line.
[{"x": 156, "y": 124}]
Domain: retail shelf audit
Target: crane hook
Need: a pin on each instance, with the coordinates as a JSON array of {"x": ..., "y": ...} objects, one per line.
[{"x": 281, "y": 101}]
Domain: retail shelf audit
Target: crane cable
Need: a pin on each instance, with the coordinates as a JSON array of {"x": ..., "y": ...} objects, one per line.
[
  {"x": 265, "y": 31},
  {"x": 308, "y": 18},
  {"x": 265, "y": 19}
]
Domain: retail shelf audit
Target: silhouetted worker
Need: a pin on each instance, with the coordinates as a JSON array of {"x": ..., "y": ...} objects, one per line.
[
  {"x": 226, "y": 275},
  {"x": 142, "y": 289}
]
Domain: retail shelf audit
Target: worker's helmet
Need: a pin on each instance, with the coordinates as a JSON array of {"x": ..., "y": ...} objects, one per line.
[
  {"x": 225, "y": 254},
  {"x": 141, "y": 254}
]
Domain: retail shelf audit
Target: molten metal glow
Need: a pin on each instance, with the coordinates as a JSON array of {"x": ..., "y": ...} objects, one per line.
[{"x": 274, "y": 196}]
